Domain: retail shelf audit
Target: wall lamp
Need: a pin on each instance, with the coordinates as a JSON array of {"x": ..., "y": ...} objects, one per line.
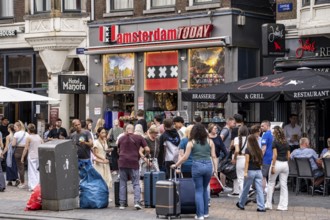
[
  {"x": 140, "y": 60},
  {"x": 97, "y": 84},
  {"x": 184, "y": 80},
  {"x": 96, "y": 61},
  {"x": 183, "y": 58}
]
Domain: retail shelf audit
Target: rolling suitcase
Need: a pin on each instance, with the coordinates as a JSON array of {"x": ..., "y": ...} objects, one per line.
[
  {"x": 150, "y": 180},
  {"x": 168, "y": 198},
  {"x": 116, "y": 192},
  {"x": 187, "y": 196}
]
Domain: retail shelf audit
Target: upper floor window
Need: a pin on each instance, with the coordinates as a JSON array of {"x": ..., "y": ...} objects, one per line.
[
  {"x": 322, "y": 2},
  {"x": 161, "y": 3},
  {"x": 41, "y": 5},
  {"x": 6, "y": 8},
  {"x": 306, "y": 2},
  {"x": 205, "y": 1},
  {"x": 72, "y": 5},
  {"x": 121, "y": 5}
]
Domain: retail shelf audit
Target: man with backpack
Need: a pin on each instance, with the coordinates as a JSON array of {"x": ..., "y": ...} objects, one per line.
[{"x": 169, "y": 146}]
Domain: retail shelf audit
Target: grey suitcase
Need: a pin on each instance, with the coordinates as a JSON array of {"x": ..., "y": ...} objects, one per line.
[{"x": 168, "y": 198}]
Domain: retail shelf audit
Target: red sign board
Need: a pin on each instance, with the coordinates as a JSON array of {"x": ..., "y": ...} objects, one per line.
[
  {"x": 306, "y": 45},
  {"x": 110, "y": 34}
]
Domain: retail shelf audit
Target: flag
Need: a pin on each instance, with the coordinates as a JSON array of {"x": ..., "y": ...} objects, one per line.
[
  {"x": 108, "y": 34},
  {"x": 161, "y": 71}
]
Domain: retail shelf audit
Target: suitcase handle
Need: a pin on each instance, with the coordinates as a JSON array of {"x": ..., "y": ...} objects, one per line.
[{"x": 171, "y": 173}]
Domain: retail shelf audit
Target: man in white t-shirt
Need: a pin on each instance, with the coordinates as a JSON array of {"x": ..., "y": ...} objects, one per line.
[
  {"x": 179, "y": 126},
  {"x": 292, "y": 132}
]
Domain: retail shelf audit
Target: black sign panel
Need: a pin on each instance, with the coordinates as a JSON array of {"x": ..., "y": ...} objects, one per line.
[
  {"x": 72, "y": 84},
  {"x": 273, "y": 40}
]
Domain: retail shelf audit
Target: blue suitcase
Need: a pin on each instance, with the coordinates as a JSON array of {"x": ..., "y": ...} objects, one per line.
[
  {"x": 150, "y": 179},
  {"x": 187, "y": 196}
]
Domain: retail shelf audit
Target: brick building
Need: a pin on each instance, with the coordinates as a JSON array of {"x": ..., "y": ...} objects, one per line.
[{"x": 143, "y": 54}]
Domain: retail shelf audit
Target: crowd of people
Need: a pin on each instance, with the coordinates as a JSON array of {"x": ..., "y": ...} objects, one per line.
[{"x": 260, "y": 155}]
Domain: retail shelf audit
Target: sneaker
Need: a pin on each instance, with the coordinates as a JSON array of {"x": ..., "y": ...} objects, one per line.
[
  {"x": 209, "y": 204},
  {"x": 137, "y": 206},
  {"x": 261, "y": 210},
  {"x": 9, "y": 183},
  {"x": 2, "y": 189},
  {"x": 238, "y": 206},
  {"x": 280, "y": 209},
  {"x": 248, "y": 201},
  {"x": 226, "y": 189},
  {"x": 17, "y": 182},
  {"x": 318, "y": 190},
  {"x": 122, "y": 207},
  {"x": 199, "y": 217},
  {"x": 21, "y": 186},
  {"x": 251, "y": 193},
  {"x": 110, "y": 200},
  {"x": 206, "y": 216},
  {"x": 233, "y": 195}
]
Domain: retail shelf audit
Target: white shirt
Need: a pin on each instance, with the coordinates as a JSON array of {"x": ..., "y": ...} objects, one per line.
[
  {"x": 236, "y": 142},
  {"x": 289, "y": 131},
  {"x": 18, "y": 136}
]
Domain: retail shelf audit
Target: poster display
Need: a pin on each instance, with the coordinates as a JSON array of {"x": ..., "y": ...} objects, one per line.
[
  {"x": 118, "y": 72},
  {"x": 206, "y": 67}
]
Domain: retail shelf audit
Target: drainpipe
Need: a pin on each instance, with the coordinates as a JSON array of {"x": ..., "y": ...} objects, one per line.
[{"x": 92, "y": 9}]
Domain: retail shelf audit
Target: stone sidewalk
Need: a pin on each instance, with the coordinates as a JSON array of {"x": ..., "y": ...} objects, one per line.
[{"x": 303, "y": 206}]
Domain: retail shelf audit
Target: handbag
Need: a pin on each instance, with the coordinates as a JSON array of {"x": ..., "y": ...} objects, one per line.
[{"x": 227, "y": 168}]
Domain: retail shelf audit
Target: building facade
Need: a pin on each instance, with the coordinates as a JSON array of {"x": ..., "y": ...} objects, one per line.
[
  {"x": 307, "y": 41},
  {"x": 38, "y": 44},
  {"x": 143, "y": 54}
]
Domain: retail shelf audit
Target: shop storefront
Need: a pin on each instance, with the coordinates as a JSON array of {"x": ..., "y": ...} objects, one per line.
[
  {"x": 147, "y": 67},
  {"x": 311, "y": 53},
  {"x": 22, "y": 68}
]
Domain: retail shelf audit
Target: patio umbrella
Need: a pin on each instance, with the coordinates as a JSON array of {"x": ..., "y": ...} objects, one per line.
[
  {"x": 305, "y": 84},
  {"x": 14, "y": 95}
]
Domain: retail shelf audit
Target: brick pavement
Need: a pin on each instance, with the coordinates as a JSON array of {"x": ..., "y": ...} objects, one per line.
[{"x": 303, "y": 206}]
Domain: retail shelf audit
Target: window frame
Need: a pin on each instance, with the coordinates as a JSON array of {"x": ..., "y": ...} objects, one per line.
[
  {"x": 35, "y": 11},
  {"x": 195, "y": 2},
  {"x": 12, "y": 12},
  {"x": 71, "y": 10},
  {"x": 320, "y": 2},
  {"x": 110, "y": 7},
  {"x": 162, "y": 6},
  {"x": 305, "y": 3}
]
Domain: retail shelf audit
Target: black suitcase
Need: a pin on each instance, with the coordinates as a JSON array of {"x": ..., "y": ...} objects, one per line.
[
  {"x": 187, "y": 196},
  {"x": 150, "y": 179},
  {"x": 116, "y": 192},
  {"x": 168, "y": 198}
]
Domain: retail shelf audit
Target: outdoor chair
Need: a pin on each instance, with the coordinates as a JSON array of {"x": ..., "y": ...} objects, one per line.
[
  {"x": 305, "y": 171},
  {"x": 326, "y": 163},
  {"x": 293, "y": 173}
]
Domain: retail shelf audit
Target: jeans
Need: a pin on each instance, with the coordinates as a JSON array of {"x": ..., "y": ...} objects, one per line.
[
  {"x": 201, "y": 174},
  {"x": 256, "y": 177},
  {"x": 124, "y": 173},
  {"x": 281, "y": 169}
]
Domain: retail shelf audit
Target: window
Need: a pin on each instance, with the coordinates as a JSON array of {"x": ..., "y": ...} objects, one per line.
[
  {"x": 322, "y": 2},
  {"x": 205, "y": 1},
  {"x": 160, "y": 3},
  {"x": 6, "y": 8},
  {"x": 121, "y": 4},
  {"x": 1, "y": 70},
  {"x": 41, "y": 5},
  {"x": 72, "y": 5},
  {"x": 306, "y": 2}
]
